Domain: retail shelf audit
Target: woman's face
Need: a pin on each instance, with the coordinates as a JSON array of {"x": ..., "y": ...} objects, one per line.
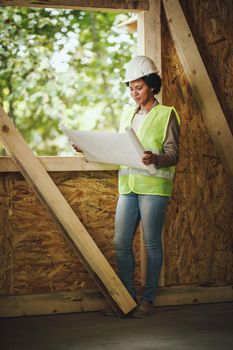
[{"x": 140, "y": 92}]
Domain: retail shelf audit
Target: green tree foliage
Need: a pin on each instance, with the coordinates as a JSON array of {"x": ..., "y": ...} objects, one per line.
[{"x": 62, "y": 65}]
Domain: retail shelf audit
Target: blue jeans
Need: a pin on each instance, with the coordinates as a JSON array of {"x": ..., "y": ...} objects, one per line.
[{"x": 150, "y": 209}]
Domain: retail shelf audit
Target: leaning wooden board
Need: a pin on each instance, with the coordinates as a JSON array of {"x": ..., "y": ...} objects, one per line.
[{"x": 66, "y": 219}]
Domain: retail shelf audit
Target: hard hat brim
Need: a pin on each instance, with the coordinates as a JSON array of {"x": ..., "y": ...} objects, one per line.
[{"x": 138, "y": 77}]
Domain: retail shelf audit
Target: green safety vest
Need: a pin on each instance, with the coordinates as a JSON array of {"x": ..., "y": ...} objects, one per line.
[{"x": 151, "y": 133}]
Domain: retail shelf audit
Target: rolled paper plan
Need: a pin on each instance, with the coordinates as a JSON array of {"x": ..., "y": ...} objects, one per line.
[
  {"x": 110, "y": 147},
  {"x": 139, "y": 148}
]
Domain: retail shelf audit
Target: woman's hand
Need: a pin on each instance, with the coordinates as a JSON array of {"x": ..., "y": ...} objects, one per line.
[
  {"x": 149, "y": 158},
  {"x": 77, "y": 149}
]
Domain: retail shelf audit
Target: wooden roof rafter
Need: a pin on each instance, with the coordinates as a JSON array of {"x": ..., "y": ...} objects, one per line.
[{"x": 201, "y": 85}]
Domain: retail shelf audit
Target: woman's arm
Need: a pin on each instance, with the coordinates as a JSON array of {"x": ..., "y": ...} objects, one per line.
[{"x": 170, "y": 155}]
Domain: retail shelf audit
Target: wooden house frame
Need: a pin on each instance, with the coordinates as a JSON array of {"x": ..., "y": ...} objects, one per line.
[{"x": 149, "y": 43}]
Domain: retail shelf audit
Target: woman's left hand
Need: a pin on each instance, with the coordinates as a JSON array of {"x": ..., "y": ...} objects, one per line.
[{"x": 148, "y": 158}]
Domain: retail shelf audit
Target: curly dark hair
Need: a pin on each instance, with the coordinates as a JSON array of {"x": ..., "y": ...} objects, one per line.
[{"x": 154, "y": 81}]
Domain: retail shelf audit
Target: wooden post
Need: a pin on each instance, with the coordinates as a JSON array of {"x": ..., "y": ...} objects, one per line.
[
  {"x": 68, "y": 222},
  {"x": 149, "y": 44},
  {"x": 149, "y": 35},
  {"x": 201, "y": 85}
]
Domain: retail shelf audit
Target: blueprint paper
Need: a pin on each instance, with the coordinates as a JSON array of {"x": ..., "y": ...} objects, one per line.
[{"x": 108, "y": 147}]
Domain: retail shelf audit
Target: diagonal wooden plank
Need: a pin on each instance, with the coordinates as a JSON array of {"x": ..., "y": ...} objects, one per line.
[
  {"x": 66, "y": 219},
  {"x": 93, "y": 5},
  {"x": 201, "y": 85}
]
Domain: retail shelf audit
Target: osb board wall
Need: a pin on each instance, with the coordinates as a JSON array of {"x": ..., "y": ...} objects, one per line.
[
  {"x": 198, "y": 232},
  {"x": 35, "y": 257},
  {"x": 199, "y": 226}
]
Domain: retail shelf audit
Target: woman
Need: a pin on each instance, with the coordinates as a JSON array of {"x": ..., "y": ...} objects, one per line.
[{"x": 143, "y": 196}]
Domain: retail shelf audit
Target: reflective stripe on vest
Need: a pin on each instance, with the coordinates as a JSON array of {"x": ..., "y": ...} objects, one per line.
[{"x": 159, "y": 173}]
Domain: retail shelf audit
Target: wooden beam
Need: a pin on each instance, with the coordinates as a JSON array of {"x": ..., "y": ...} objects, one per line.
[
  {"x": 83, "y": 301},
  {"x": 90, "y": 5},
  {"x": 201, "y": 85},
  {"x": 50, "y": 163},
  {"x": 51, "y": 303},
  {"x": 64, "y": 216},
  {"x": 149, "y": 44}
]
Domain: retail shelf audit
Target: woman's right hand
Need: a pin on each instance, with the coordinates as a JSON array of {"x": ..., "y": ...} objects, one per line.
[{"x": 77, "y": 149}]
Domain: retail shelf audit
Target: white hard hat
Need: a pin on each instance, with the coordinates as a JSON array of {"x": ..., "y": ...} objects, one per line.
[{"x": 138, "y": 67}]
